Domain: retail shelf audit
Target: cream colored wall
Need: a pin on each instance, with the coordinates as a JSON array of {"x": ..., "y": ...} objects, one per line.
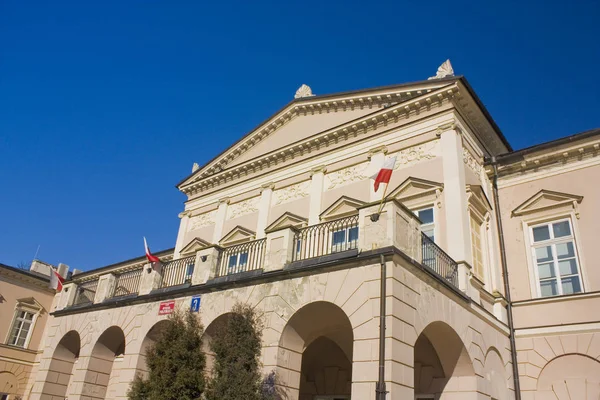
[
  {"x": 300, "y": 128},
  {"x": 248, "y": 221},
  {"x": 579, "y": 182},
  {"x": 205, "y": 233},
  {"x": 298, "y": 207}
]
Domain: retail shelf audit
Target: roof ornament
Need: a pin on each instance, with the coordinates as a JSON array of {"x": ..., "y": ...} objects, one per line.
[
  {"x": 195, "y": 167},
  {"x": 444, "y": 70},
  {"x": 303, "y": 91}
]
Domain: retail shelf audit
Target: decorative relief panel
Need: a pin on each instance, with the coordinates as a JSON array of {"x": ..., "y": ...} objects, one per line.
[
  {"x": 291, "y": 193},
  {"x": 346, "y": 176},
  {"x": 471, "y": 162},
  {"x": 201, "y": 221},
  {"x": 413, "y": 155},
  {"x": 242, "y": 208}
]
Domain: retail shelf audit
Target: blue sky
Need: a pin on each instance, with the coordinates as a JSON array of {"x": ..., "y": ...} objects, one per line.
[{"x": 104, "y": 106}]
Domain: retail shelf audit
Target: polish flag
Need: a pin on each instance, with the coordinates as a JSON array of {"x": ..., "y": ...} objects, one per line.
[
  {"x": 151, "y": 258},
  {"x": 56, "y": 281},
  {"x": 385, "y": 173}
]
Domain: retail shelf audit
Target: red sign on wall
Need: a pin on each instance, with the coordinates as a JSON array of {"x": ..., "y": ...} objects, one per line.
[{"x": 166, "y": 307}]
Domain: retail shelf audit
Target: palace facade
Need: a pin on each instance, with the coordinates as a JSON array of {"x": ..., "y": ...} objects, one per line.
[{"x": 282, "y": 220}]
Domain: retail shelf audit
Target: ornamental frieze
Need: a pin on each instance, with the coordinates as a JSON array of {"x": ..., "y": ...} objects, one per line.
[
  {"x": 346, "y": 176},
  {"x": 201, "y": 221},
  {"x": 413, "y": 155},
  {"x": 242, "y": 208},
  {"x": 471, "y": 162},
  {"x": 291, "y": 193}
]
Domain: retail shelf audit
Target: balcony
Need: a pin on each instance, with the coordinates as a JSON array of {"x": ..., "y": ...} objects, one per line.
[{"x": 284, "y": 248}]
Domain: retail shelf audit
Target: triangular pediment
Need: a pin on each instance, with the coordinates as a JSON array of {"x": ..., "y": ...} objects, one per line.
[
  {"x": 478, "y": 199},
  {"x": 342, "y": 207},
  {"x": 194, "y": 245},
  {"x": 304, "y": 118},
  {"x": 30, "y": 302},
  {"x": 287, "y": 220},
  {"x": 413, "y": 188},
  {"x": 546, "y": 199},
  {"x": 239, "y": 234}
]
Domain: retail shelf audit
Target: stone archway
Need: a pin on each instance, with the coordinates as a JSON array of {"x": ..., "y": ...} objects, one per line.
[
  {"x": 101, "y": 372},
  {"x": 442, "y": 365},
  {"x": 211, "y": 330},
  {"x": 151, "y": 337},
  {"x": 64, "y": 357},
  {"x": 571, "y": 376},
  {"x": 9, "y": 384},
  {"x": 315, "y": 353}
]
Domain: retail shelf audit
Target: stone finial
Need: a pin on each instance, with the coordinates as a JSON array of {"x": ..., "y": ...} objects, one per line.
[
  {"x": 303, "y": 91},
  {"x": 195, "y": 167},
  {"x": 444, "y": 70}
]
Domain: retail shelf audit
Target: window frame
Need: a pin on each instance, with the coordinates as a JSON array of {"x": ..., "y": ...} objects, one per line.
[
  {"x": 532, "y": 258},
  {"x": 236, "y": 268},
  {"x": 20, "y": 307},
  {"x": 347, "y": 243},
  {"x": 433, "y": 207}
]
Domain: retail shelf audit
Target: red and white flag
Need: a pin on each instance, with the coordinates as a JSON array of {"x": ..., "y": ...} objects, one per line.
[
  {"x": 152, "y": 258},
  {"x": 385, "y": 173},
  {"x": 56, "y": 281}
]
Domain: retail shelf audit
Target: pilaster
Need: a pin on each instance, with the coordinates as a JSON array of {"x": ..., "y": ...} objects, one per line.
[
  {"x": 316, "y": 194},
  {"x": 263, "y": 209},
  {"x": 183, "y": 227},
  {"x": 220, "y": 219}
]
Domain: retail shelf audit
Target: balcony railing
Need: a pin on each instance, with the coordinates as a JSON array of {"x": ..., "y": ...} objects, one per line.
[
  {"x": 178, "y": 272},
  {"x": 326, "y": 238},
  {"x": 241, "y": 258},
  {"x": 86, "y": 292},
  {"x": 438, "y": 261},
  {"x": 127, "y": 282}
]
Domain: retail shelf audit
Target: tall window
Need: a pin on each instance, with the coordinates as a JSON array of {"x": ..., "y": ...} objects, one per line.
[
  {"x": 555, "y": 256},
  {"x": 427, "y": 222},
  {"x": 477, "y": 245},
  {"x": 21, "y": 328},
  {"x": 237, "y": 262}
]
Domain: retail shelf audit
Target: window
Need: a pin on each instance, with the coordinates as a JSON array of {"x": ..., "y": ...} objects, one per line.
[
  {"x": 555, "y": 258},
  {"x": 477, "y": 245},
  {"x": 189, "y": 272},
  {"x": 237, "y": 262},
  {"x": 21, "y": 327},
  {"x": 345, "y": 239},
  {"x": 427, "y": 222}
]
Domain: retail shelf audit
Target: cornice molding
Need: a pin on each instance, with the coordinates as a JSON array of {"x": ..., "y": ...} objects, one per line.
[{"x": 336, "y": 135}]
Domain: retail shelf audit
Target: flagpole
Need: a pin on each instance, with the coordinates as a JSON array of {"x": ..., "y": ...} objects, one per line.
[{"x": 383, "y": 198}]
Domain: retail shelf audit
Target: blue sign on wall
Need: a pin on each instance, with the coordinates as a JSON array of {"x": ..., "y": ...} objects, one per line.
[{"x": 195, "y": 306}]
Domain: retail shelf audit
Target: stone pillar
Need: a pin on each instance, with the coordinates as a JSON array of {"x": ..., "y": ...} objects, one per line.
[
  {"x": 279, "y": 249},
  {"x": 151, "y": 278},
  {"x": 67, "y": 296},
  {"x": 376, "y": 158},
  {"x": 206, "y": 265},
  {"x": 220, "y": 219},
  {"x": 183, "y": 227},
  {"x": 458, "y": 235},
  {"x": 263, "y": 209},
  {"x": 106, "y": 286},
  {"x": 316, "y": 194}
]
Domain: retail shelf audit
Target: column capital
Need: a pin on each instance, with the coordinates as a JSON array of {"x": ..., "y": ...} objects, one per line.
[
  {"x": 224, "y": 200},
  {"x": 377, "y": 150},
  {"x": 266, "y": 186},
  {"x": 186, "y": 213},
  {"x": 447, "y": 126},
  {"x": 319, "y": 169}
]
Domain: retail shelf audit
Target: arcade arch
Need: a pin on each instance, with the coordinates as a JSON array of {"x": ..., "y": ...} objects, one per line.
[{"x": 64, "y": 357}]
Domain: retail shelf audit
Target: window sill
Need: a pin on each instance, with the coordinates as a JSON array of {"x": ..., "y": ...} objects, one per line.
[{"x": 552, "y": 299}]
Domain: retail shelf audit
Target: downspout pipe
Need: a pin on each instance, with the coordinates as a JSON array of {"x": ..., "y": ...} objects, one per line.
[
  {"x": 380, "y": 392},
  {"x": 513, "y": 354}
]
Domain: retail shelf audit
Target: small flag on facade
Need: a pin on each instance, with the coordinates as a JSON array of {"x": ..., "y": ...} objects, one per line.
[
  {"x": 385, "y": 173},
  {"x": 152, "y": 258},
  {"x": 56, "y": 281}
]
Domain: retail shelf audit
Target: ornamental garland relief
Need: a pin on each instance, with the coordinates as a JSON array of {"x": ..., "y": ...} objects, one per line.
[
  {"x": 201, "y": 221},
  {"x": 242, "y": 208},
  {"x": 291, "y": 193},
  {"x": 346, "y": 176},
  {"x": 471, "y": 162},
  {"x": 414, "y": 154}
]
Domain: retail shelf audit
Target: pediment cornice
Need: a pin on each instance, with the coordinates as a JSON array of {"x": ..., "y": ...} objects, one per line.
[
  {"x": 217, "y": 173},
  {"x": 547, "y": 199}
]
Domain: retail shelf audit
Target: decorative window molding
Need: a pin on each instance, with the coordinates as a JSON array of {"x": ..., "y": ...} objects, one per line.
[
  {"x": 237, "y": 235},
  {"x": 545, "y": 200},
  {"x": 342, "y": 207},
  {"x": 194, "y": 245},
  {"x": 480, "y": 209},
  {"x": 415, "y": 191},
  {"x": 287, "y": 220},
  {"x": 26, "y": 313}
]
